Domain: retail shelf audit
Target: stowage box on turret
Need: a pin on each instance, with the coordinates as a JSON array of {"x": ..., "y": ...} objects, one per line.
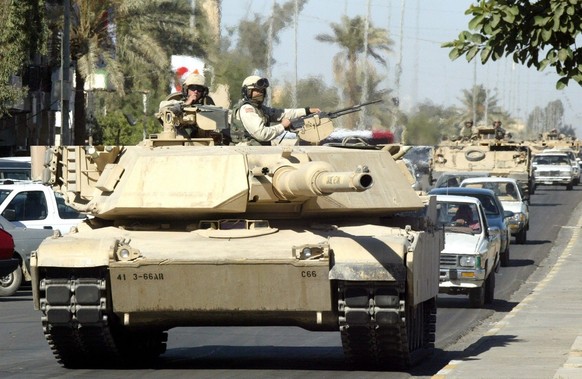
[{"x": 307, "y": 236}]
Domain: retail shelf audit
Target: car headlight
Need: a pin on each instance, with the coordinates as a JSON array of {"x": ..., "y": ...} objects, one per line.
[
  {"x": 519, "y": 217},
  {"x": 468, "y": 261}
]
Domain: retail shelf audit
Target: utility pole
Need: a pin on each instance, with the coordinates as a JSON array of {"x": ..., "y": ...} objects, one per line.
[
  {"x": 364, "y": 96},
  {"x": 295, "y": 22},
  {"x": 65, "y": 74}
]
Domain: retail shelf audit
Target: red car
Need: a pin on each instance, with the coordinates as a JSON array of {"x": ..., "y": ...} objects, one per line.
[{"x": 7, "y": 261}]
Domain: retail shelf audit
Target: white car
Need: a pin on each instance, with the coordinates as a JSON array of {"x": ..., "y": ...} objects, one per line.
[
  {"x": 573, "y": 161},
  {"x": 512, "y": 198},
  {"x": 36, "y": 206},
  {"x": 553, "y": 169},
  {"x": 471, "y": 255}
]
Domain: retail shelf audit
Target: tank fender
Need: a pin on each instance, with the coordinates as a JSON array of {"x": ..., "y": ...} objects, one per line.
[
  {"x": 70, "y": 252},
  {"x": 76, "y": 252},
  {"x": 367, "y": 258}
]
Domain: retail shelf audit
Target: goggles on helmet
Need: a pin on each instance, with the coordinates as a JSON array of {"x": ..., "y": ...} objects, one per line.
[{"x": 261, "y": 84}]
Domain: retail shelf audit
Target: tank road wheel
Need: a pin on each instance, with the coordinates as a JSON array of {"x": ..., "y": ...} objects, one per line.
[
  {"x": 378, "y": 328},
  {"x": 10, "y": 283},
  {"x": 80, "y": 327}
]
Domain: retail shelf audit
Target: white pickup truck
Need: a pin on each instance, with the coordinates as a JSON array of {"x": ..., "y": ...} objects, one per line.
[
  {"x": 471, "y": 255},
  {"x": 36, "y": 206}
]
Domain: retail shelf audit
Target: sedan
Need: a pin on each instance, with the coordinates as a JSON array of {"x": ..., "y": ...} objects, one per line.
[
  {"x": 494, "y": 211},
  {"x": 25, "y": 241},
  {"x": 512, "y": 198}
]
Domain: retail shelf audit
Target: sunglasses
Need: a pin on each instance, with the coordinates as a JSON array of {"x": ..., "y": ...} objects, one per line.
[{"x": 196, "y": 87}]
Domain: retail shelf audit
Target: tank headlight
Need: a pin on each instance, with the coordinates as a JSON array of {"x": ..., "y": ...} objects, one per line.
[
  {"x": 124, "y": 254},
  {"x": 467, "y": 261},
  {"x": 310, "y": 252}
]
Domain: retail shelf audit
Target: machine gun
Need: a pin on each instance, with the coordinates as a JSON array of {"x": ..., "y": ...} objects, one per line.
[
  {"x": 174, "y": 114},
  {"x": 318, "y": 126}
]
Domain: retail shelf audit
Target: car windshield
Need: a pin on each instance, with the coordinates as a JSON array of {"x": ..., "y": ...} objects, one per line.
[
  {"x": 551, "y": 160},
  {"x": 459, "y": 217},
  {"x": 505, "y": 191}
]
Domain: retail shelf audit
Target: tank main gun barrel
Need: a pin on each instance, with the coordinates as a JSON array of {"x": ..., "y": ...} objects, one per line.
[{"x": 317, "y": 179}]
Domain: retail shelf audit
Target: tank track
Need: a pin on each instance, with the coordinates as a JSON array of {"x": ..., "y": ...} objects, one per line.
[
  {"x": 379, "y": 329},
  {"x": 80, "y": 328}
]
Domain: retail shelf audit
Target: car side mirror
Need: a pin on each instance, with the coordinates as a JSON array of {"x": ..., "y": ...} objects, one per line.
[{"x": 507, "y": 214}]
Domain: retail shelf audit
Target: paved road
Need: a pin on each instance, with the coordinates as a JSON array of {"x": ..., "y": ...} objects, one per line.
[{"x": 291, "y": 352}]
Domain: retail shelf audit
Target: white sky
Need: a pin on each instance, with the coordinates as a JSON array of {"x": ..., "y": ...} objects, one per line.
[{"x": 427, "y": 72}]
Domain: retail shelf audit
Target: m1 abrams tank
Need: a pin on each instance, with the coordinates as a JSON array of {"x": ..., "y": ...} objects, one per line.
[
  {"x": 195, "y": 235},
  {"x": 485, "y": 153}
]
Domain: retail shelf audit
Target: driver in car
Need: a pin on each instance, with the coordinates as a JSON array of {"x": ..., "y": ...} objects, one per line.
[{"x": 464, "y": 217}]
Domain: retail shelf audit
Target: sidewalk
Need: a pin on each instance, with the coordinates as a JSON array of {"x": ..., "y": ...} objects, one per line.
[{"x": 542, "y": 336}]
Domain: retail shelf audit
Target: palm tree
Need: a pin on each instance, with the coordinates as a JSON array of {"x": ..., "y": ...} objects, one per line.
[
  {"x": 114, "y": 34},
  {"x": 349, "y": 35},
  {"x": 478, "y": 102}
]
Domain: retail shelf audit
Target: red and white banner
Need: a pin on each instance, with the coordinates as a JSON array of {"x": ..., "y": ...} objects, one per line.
[{"x": 182, "y": 66}]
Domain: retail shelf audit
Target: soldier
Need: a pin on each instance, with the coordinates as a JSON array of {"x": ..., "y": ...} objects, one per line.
[
  {"x": 194, "y": 90},
  {"x": 251, "y": 120},
  {"x": 499, "y": 131},
  {"x": 467, "y": 130}
]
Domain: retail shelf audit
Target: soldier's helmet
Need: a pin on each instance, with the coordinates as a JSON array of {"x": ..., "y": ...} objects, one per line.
[
  {"x": 194, "y": 80},
  {"x": 253, "y": 82}
]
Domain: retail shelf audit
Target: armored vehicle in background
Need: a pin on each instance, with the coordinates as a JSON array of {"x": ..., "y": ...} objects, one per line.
[
  {"x": 483, "y": 152},
  {"x": 187, "y": 233}
]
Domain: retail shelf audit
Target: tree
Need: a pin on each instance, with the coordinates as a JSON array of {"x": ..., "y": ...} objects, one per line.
[
  {"x": 349, "y": 36},
  {"x": 428, "y": 124},
  {"x": 313, "y": 92},
  {"x": 543, "y": 120},
  {"x": 116, "y": 34},
  {"x": 540, "y": 34},
  {"x": 249, "y": 55},
  {"x": 22, "y": 36},
  {"x": 481, "y": 103}
]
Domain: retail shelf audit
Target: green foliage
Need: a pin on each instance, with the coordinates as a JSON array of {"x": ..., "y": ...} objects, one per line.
[
  {"x": 427, "y": 124},
  {"x": 137, "y": 55},
  {"x": 311, "y": 92},
  {"x": 540, "y": 34},
  {"x": 115, "y": 129},
  {"x": 23, "y": 34},
  {"x": 481, "y": 102},
  {"x": 349, "y": 35},
  {"x": 543, "y": 120},
  {"x": 253, "y": 34}
]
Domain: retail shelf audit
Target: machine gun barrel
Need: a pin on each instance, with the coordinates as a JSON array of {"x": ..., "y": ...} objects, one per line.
[
  {"x": 299, "y": 122},
  {"x": 317, "y": 179}
]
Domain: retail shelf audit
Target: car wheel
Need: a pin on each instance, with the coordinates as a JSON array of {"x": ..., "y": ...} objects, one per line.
[
  {"x": 521, "y": 236},
  {"x": 504, "y": 257},
  {"x": 10, "y": 283},
  {"x": 569, "y": 187},
  {"x": 477, "y": 296},
  {"x": 490, "y": 288}
]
